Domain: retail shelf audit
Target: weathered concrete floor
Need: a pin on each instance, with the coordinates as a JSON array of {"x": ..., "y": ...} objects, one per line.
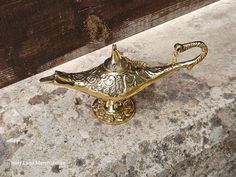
[{"x": 184, "y": 126}]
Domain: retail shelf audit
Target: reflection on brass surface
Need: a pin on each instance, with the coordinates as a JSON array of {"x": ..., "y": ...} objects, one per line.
[{"x": 119, "y": 78}]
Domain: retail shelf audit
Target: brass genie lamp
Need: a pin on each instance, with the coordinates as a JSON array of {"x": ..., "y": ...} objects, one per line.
[{"x": 116, "y": 80}]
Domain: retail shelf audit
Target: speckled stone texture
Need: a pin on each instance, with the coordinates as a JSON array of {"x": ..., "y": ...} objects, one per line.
[{"x": 184, "y": 126}]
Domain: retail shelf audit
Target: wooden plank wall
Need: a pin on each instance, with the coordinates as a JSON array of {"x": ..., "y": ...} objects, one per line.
[{"x": 35, "y": 35}]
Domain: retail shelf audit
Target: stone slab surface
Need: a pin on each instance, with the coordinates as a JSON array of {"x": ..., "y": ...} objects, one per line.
[{"x": 184, "y": 126}]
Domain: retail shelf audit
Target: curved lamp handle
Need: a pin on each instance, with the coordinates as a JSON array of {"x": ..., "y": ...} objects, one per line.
[{"x": 179, "y": 48}]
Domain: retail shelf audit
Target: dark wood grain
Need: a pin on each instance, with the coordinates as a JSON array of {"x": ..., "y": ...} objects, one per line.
[{"x": 35, "y": 35}]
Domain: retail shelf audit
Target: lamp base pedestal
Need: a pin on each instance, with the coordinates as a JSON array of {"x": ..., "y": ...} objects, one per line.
[{"x": 114, "y": 112}]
